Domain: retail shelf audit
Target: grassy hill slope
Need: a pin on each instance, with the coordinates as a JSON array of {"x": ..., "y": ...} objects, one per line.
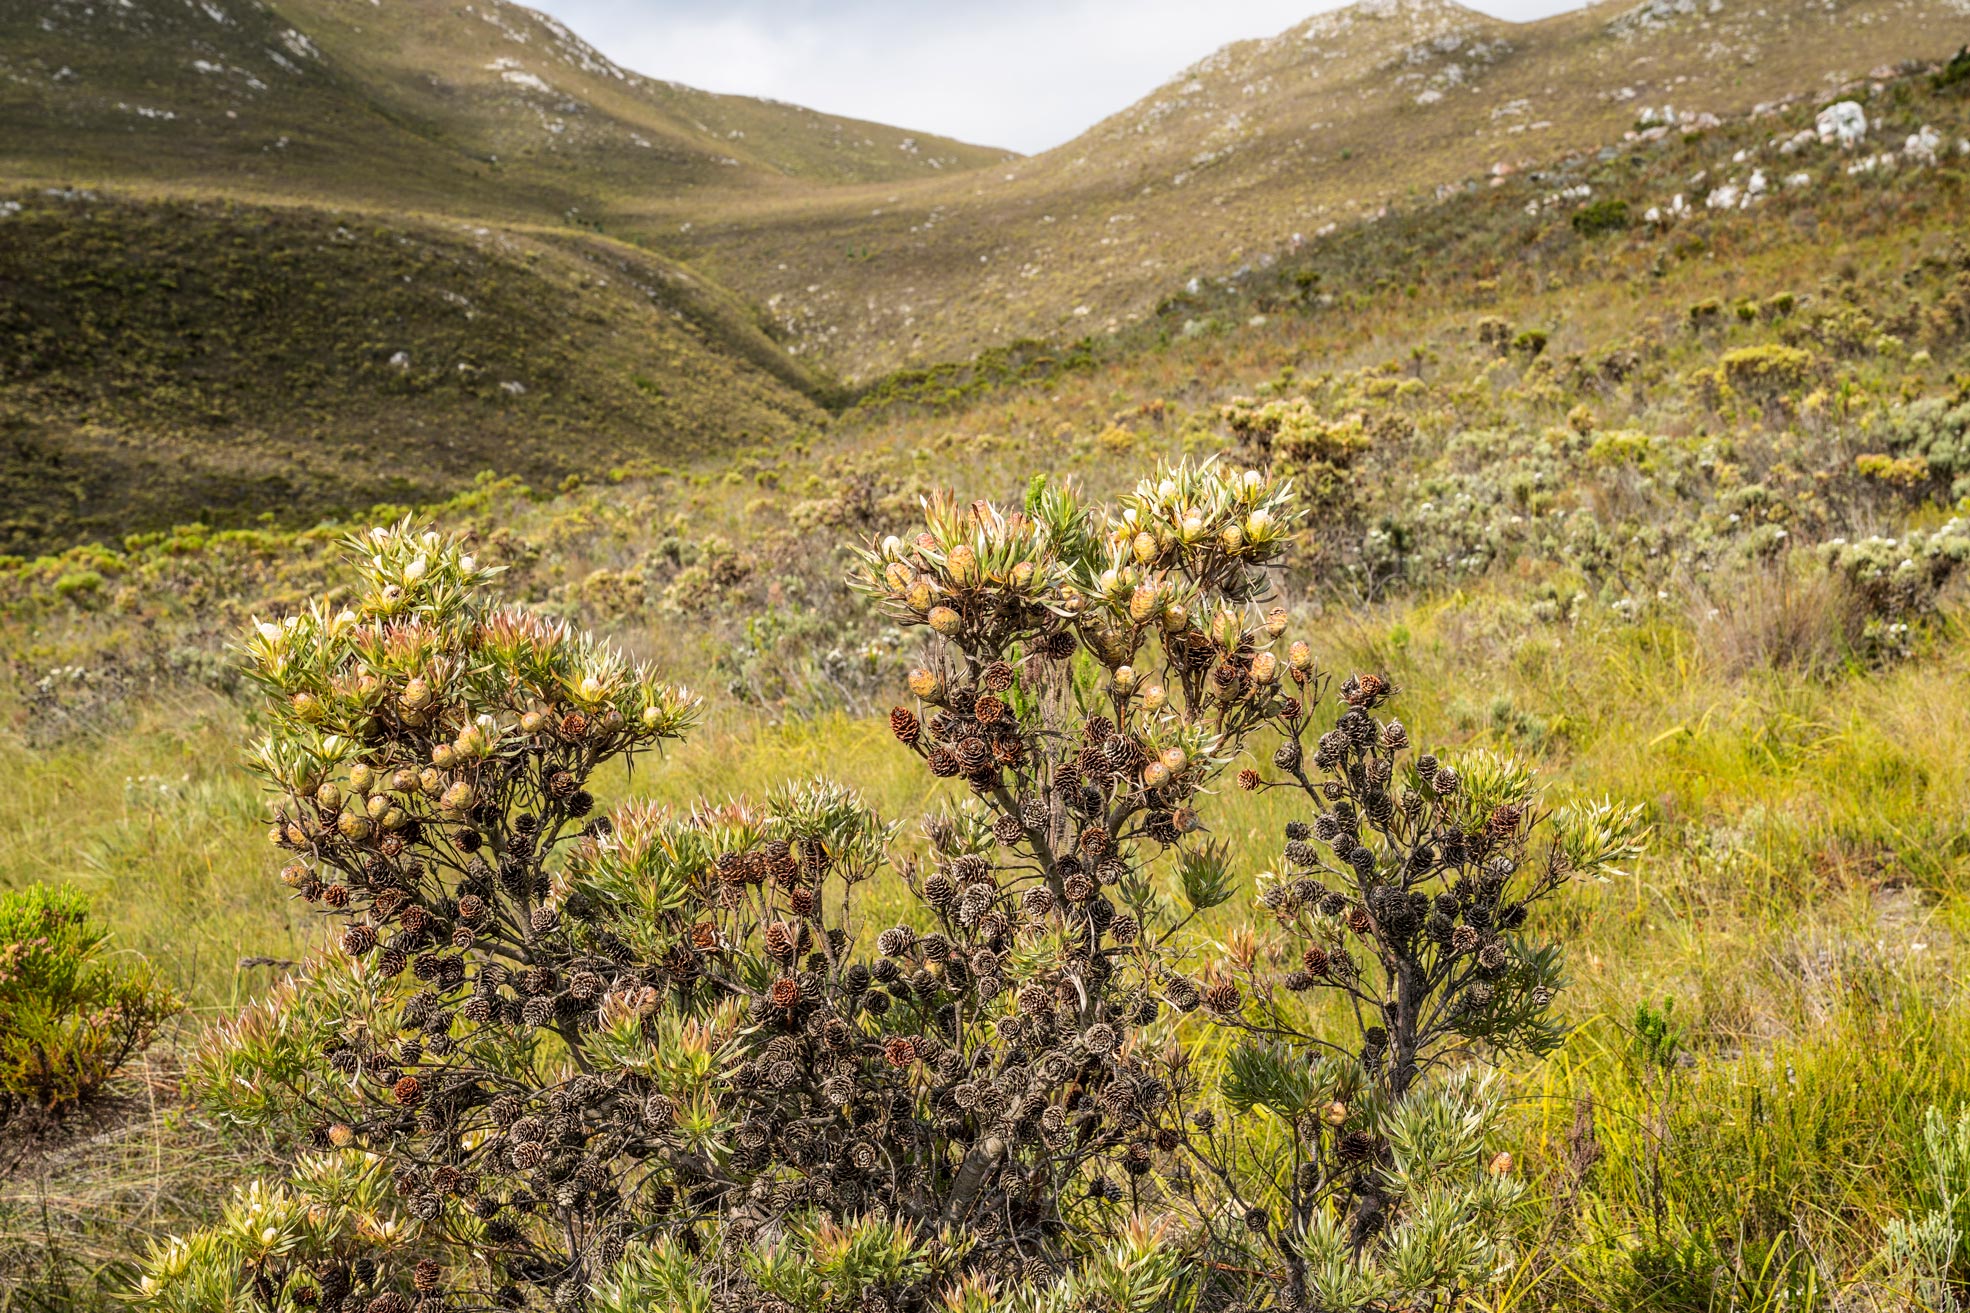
[
  {"x": 173, "y": 359},
  {"x": 225, "y": 221}
]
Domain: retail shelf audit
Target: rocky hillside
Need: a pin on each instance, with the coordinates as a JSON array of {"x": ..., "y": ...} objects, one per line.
[
  {"x": 295, "y": 256},
  {"x": 488, "y": 108},
  {"x": 1260, "y": 147}
]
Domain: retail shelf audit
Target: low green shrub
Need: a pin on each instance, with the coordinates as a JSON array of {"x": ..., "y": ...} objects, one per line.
[
  {"x": 1938, "y": 433},
  {"x": 1768, "y": 370},
  {"x": 1606, "y": 215},
  {"x": 1897, "y": 579},
  {"x": 1530, "y": 344},
  {"x": 1924, "y": 1256},
  {"x": 1955, "y": 73},
  {"x": 69, "y": 1017}
]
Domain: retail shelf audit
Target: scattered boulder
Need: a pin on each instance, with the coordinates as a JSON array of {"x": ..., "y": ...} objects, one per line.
[{"x": 1843, "y": 123}]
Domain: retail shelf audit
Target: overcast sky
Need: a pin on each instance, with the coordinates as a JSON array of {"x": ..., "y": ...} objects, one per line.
[{"x": 1027, "y": 74}]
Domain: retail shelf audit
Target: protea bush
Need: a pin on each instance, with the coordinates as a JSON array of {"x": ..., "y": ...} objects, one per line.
[{"x": 557, "y": 1056}]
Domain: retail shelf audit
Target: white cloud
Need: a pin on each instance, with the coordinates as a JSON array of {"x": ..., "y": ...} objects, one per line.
[{"x": 1027, "y": 74}]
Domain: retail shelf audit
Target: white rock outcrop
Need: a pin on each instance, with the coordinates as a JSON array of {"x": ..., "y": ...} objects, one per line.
[{"x": 1842, "y": 124}]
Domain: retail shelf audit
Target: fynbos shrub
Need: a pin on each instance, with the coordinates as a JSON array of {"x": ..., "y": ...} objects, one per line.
[
  {"x": 1040, "y": 886},
  {"x": 572, "y": 1036},
  {"x": 560, "y": 1058}
]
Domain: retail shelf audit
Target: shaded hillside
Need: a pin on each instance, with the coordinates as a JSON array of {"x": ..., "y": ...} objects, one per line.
[
  {"x": 160, "y": 361},
  {"x": 1263, "y": 145}
]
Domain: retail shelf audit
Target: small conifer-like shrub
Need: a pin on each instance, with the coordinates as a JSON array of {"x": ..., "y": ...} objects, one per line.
[
  {"x": 1407, "y": 894},
  {"x": 71, "y": 1015}
]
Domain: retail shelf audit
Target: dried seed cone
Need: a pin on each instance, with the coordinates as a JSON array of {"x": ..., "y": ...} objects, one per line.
[
  {"x": 1357, "y": 1147},
  {"x": 1222, "y": 997}
]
